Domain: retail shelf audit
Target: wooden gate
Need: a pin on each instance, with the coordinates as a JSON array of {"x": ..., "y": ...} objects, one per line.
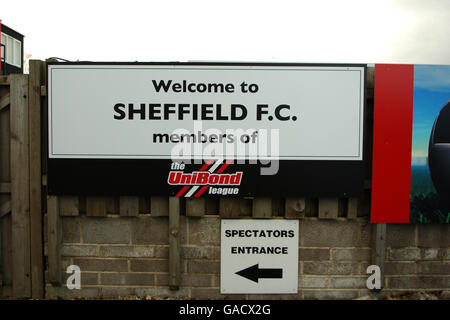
[{"x": 21, "y": 252}]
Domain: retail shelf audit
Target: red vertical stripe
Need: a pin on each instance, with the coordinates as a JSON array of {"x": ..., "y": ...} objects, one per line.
[{"x": 391, "y": 171}]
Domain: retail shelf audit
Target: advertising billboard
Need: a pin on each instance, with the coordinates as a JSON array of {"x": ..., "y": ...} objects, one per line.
[
  {"x": 243, "y": 129},
  {"x": 411, "y": 176}
]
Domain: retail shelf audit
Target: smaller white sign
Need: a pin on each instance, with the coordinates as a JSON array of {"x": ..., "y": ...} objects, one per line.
[{"x": 259, "y": 256}]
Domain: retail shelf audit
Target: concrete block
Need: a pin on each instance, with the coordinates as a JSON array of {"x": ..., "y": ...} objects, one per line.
[
  {"x": 152, "y": 265},
  {"x": 87, "y": 278},
  {"x": 78, "y": 251},
  {"x": 161, "y": 279},
  {"x": 127, "y": 279},
  {"x": 349, "y": 282},
  {"x": 116, "y": 265},
  {"x": 203, "y": 267},
  {"x": 400, "y": 235},
  {"x": 216, "y": 280},
  {"x": 214, "y": 294},
  {"x": 197, "y": 252},
  {"x": 312, "y": 282},
  {"x": 71, "y": 230},
  {"x": 414, "y": 282},
  {"x": 195, "y": 280},
  {"x": 162, "y": 293},
  {"x": 335, "y": 233},
  {"x": 309, "y": 254},
  {"x": 116, "y": 292},
  {"x": 330, "y": 268},
  {"x": 330, "y": 294},
  {"x": 217, "y": 253},
  {"x": 294, "y": 296},
  {"x": 149, "y": 230},
  {"x": 351, "y": 254},
  {"x": 155, "y": 230},
  {"x": 127, "y": 251},
  {"x": 63, "y": 292},
  {"x": 162, "y": 252},
  {"x": 405, "y": 254},
  {"x": 204, "y": 231},
  {"x": 399, "y": 268},
  {"x": 440, "y": 267},
  {"x": 434, "y": 235},
  {"x": 430, "y": 254},
  {"x": 106, "y": 230}
]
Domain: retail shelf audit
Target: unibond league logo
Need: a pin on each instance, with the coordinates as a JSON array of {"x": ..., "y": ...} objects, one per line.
[{"x": 210, "y": 177}]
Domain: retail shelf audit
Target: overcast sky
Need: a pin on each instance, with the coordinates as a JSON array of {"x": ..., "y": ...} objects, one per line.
[{"x": 404, "y": 31}]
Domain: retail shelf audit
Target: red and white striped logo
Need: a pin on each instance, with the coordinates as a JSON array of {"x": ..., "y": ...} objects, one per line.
[{"x": 210, "y": 174}]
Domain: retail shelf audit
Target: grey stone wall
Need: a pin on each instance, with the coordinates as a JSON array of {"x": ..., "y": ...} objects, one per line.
[{"x": 122, "y": 256}]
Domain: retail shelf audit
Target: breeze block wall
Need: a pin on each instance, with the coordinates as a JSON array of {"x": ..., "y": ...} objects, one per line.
[{"x": 121, "y": 256}]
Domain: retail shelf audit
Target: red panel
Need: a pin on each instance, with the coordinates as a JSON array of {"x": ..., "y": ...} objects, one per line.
[
  {"x": 393, "y": 114},
  {"x": 0, "y": 42}
]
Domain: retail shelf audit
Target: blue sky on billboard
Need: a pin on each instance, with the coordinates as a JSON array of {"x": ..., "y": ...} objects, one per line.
[
  {"x": 432, "y": 78},
  {"x": 358, "y": 31},
  {"x": 431, "y": 92}
]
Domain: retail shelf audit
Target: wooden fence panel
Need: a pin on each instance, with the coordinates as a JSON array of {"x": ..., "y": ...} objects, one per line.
[
  {"x": 69, "y": 206},
  {"x": 295, "y": 208},
  {"x": 159, "y": 206},
  {"x": 129, "y": 206},
  {"x": 54, "y": 229},
  {"x": 229, "y": 207},
  {"x": 262, "y": 208},
  {"x": 5, "y": 197},
  {"x": 36, "y": 79},
  {"x": 5, "y": 187},
  {"x": 144, "y": 204},
  {"x": 96, "y": 206},
  {"x": 6, "y": 256},
  {"x": 1, "y": 256},
  {"x": 352, "y": 208},
  {"x": 174, "y": 242},
  {"x": 212, "y": 206},
  {"x": 195, "y": 207},
  {"x": 278, "y": 207},
  {"x": 5, "y": 100},
  {"x": 5, "y": 138},
  {"x": 328, "y": 208},
  {"x": 112, "y": 205},
  {"x": 4, "y": 80},
  {"x": 20, "y": 185},
  {"x": 5, "y": 208},
  {"x": 379, "y": 243}
]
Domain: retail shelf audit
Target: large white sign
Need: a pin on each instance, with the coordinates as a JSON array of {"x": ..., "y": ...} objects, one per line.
[
  {"x": 259, "y": 256},
  {"x": 146, "y": 111}
]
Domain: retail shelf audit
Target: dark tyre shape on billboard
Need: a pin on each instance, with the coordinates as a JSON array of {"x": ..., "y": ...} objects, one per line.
[{"x": 439, "y": 156}]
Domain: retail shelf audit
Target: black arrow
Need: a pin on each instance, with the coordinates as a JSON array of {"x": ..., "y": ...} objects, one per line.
[{"x": 254, "y": 273}]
